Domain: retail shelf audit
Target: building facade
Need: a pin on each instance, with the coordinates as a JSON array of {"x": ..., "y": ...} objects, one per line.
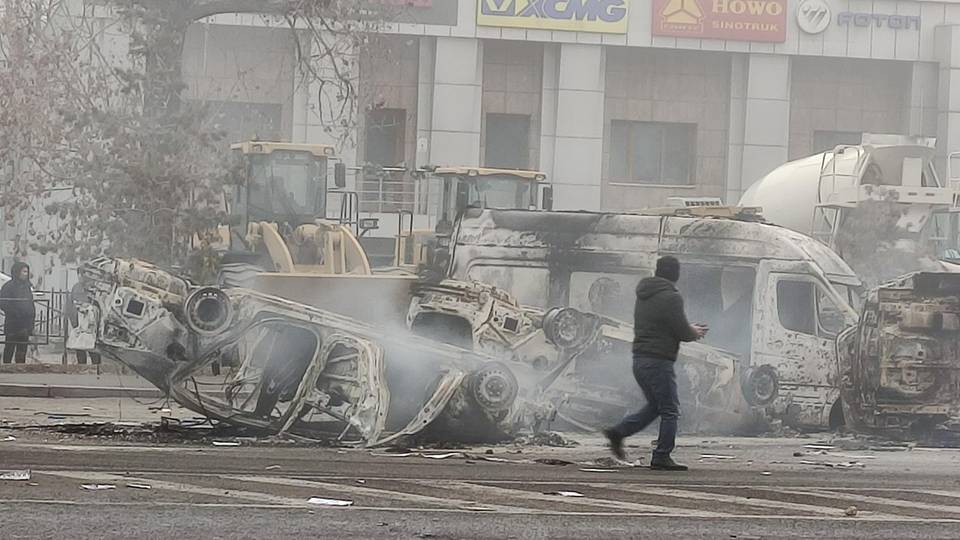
[{"x": 623, "y": 103}]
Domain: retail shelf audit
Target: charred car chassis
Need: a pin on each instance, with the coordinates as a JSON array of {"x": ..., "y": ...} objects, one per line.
[
  {"x": 289, "y": 368},
  {"x": 901, "y": 363}
]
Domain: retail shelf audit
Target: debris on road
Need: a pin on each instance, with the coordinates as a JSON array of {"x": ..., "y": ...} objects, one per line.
[
  {"x": 97, "y": 487},
  {"x": 851, "y": 511},
  {"x": 445, "y": 456},
  {"x": 329, "y": 502},
  {"x": 818, "y": 447},
  {"x": 139, "y": 486},
  {"x": 565, "y": 493},
  {"x": 716, "y": 456},
  {"x": 766, "y": 473},
  {"x": 477, "y": 508},
  {"x": 830, "y": 465},
  {"x": 553, "y": 461},
  {"x": 9, "y": 438},
  {"x": 20, "y": 475},
  {"x": 610, "y": 462},
  {"x": 226, "y": 443},
  {"x": 272, "y": 467}
]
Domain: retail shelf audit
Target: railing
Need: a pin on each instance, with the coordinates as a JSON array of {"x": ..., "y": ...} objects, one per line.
[
  {"x": 49, "y": 324},
  {"x": 387, "y": 192}
]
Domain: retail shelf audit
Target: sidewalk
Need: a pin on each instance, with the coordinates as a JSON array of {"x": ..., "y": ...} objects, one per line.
[{"x": 75, "y": 385}]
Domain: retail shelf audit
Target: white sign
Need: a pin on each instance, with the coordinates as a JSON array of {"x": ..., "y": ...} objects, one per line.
[{"x": 814, "y": 16}]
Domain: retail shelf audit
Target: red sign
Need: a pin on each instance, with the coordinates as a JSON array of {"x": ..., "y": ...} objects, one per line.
[{"x": 742, "y": 20}]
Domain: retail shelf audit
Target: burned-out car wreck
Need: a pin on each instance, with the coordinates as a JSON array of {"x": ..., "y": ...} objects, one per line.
[
  {"x": 573, "y": 365},
  {"x": 901, "y": 363},
  {"x": 289, "y": 368},
  {"x": 775, "y": 300}
]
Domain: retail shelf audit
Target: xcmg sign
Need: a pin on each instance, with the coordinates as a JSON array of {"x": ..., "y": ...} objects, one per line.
[{"x": 609, "y": 16}]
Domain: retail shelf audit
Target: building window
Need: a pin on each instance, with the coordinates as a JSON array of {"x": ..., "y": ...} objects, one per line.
[
  {"x": 385, "y": 136},
  {"x": 652, "y": 152},
  {"x": 507, "y": 142},
  {"x": 247, "y": 121},
  {"x": 826, "y": 141}
]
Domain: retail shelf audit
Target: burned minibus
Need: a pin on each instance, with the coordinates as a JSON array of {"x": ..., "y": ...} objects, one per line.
[{"x": 773, "y": 298}]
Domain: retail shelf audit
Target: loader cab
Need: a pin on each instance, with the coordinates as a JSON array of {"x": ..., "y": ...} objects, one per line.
[
  {"x": 280, "y": 183},
  {"x": 449, "y": 191},
  {"x": 459, "y": 188}
]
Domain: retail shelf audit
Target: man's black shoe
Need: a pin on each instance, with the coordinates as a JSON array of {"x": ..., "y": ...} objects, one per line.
[
  {"x": 616, "y": 443},
  {"x": 666, "y": 464}
]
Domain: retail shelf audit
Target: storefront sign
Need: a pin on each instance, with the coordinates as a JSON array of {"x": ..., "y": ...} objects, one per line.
[
  {"x": 814, "y": 16},
  {"x": 443, "y": 12},
  {"x": 742, "y": 20},
  {"x": 608, "y": 16},
  {"x": 895, "y": 22}
]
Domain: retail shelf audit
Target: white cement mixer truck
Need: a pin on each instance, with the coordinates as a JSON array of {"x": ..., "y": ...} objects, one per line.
[{"x": 881, "y": 205}]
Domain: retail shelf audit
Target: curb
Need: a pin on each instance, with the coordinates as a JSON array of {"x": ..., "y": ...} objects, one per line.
[{"x": 55, "y": 391}]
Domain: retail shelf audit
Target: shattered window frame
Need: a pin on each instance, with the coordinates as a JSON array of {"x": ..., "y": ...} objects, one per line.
[{"x": 819, "y": 299}]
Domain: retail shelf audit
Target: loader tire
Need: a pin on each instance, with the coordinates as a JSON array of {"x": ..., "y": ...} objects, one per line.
[{"x": 238, "y": 275}]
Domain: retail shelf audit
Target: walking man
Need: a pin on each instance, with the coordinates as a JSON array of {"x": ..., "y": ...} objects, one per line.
[
  {"x": 16, "y": 302},
  {"x": 660, "y": 324}
]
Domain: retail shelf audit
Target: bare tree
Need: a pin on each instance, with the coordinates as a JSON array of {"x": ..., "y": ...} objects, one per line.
[{"x": 119, "y": 162}]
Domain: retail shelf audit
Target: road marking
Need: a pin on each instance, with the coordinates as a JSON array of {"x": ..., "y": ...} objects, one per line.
[
  {"x": 886, "y": 501},
  {"x": 733, "y": 499},
  {"x": 579, "y": 501},
  {"x": 453, "y": 505},
  {"x": 408, "y": 510},
  {"x": 376, "y": 492},
  {"x": 183, "y": 488}
]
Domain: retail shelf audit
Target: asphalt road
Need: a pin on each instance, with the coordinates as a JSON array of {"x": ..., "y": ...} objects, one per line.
[{"x": 754, "y": 488}]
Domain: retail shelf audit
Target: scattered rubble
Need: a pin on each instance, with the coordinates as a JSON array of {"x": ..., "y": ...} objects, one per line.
[
  {"x": 320, "y": 501},
  {"x": 98, "y": 487},
  {"x": 16, "y": 476},
  {"x": 565, "y": 493}
]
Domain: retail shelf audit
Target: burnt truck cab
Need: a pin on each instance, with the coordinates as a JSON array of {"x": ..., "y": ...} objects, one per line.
[
  {"x": 773, "y": 298},
  {"x": 901, "y": 363}
]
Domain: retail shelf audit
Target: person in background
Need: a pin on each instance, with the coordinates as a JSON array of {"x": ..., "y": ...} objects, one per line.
[
  {"x": 660, "y": 325},
  {"x": 78, "y": 294},
  {"x": 16, "y": 302}
]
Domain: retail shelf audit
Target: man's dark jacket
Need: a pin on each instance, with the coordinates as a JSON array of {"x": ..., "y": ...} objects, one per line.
[
  {"x": 659, "y": 323},
  {"x": 16, "y": 302}
]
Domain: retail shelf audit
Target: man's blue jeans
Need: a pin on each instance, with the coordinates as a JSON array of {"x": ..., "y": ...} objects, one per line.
[{"x": 658, "y": 381}]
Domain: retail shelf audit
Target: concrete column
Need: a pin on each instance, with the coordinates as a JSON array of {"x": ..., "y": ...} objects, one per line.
[
  {"x": 733, "y": 187},
  {"x": 766, "y": 120},
  {"x": 426, "y": 80},
  {"x": 921, "y": 117},
  {"x": 948, "y": 95},
  {"x": 455, "y": 124},
  {"x": 548, "y": 108},
  {"x": 578, "y": 148},
  {"x": 310, "y": 126}
]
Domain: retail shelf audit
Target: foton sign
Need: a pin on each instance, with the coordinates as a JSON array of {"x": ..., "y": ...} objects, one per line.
[
  {"x": 608, "y": 16},
  {"x": 742, "y": 20}
]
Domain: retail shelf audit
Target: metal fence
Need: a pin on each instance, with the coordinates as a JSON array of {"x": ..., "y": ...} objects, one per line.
[
  {"x": 50, "y": 322},
  {"x": 388, "y": 192}
]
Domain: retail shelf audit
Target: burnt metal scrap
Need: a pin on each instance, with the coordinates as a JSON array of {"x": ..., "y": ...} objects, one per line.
[
  {"x": 901, "y": 363},
  {"x": 286, "y": 367},
  {"x": 573, "y": 366}
]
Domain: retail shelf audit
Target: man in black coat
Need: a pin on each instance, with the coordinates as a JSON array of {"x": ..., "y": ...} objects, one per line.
[
  {"x": 16, "y": 302},
  {"x": 660, "y": 324}
]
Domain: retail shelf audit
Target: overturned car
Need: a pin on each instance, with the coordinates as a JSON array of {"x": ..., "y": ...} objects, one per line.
[
  {"x": 901, "y": 363},
  {"x": 287, "y": 367},
  {"x": 573, "y": 366}
]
